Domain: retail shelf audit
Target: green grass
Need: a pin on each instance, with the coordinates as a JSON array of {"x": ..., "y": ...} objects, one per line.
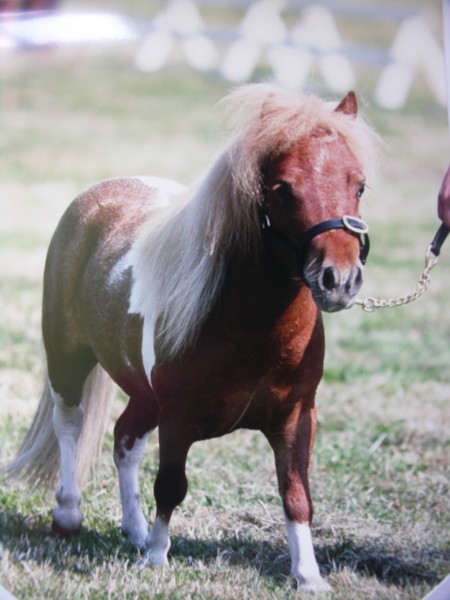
[{"x": 380, "y": 474}]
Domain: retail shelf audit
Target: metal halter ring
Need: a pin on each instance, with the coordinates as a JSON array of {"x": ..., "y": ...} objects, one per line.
[{"x": 355, "y": 224}]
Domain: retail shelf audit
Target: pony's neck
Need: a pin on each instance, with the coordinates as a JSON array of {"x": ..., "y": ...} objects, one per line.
[{"x": 259, "y": 291}]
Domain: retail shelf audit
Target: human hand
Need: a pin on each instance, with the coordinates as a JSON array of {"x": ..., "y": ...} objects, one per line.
[{"x": 444, "y": 199}]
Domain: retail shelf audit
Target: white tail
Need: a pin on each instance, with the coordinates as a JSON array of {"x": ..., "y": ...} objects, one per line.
[{"x": 38, "y": 458}]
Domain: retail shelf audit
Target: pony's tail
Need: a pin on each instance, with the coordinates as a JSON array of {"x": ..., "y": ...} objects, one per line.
[{"x": 37, "y": 461}]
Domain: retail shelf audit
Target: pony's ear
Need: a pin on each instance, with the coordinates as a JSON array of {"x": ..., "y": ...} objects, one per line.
[{"x": 349, "y": 105}]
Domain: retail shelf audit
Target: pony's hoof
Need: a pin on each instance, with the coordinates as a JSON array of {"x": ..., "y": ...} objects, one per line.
[
  {"x": 66, "y": 522},
  {"x": 154, "y": 558},
  {"x": 64, "y": 532},
  {"x": 135, "y": 538},
  {"x": 312, "y": 585}
]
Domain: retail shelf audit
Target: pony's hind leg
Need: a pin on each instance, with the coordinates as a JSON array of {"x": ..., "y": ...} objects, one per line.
[
  {"x": 67, "y": 423},
  {"x": 131, "y": 433},
  {"x": 68, "y": 375}
]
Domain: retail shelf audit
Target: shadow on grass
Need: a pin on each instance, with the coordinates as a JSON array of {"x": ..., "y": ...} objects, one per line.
[
  {"x": 389, "y": 564},
  {"x": 30, "y": 539},
  {"x": 272, "y": 560}
]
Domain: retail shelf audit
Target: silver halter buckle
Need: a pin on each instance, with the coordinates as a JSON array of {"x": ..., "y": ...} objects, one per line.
[{"x": 355, "y": 224}]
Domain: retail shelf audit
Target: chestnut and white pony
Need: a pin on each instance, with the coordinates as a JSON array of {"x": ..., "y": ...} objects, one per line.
[{"x": 203, "y": 305}]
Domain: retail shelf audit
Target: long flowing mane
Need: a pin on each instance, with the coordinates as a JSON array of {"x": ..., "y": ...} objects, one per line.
[{"x": 182, "y": 254}]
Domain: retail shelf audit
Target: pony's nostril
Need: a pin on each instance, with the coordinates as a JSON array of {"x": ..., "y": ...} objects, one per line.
[
  {"x": 354, "y": 281},
  {"x": 329, "y": 279}
]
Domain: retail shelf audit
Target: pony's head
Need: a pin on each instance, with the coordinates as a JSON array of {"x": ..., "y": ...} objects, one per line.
[
  {"x": 293, "y": 160},
  {"x": 308, "y": 163}
]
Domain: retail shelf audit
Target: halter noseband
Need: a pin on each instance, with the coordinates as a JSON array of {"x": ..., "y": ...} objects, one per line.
[{"x": 353, "y": 225}]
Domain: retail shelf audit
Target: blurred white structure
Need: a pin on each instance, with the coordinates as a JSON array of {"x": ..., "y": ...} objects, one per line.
[
  {"x": 36, "y": 29},
  {"x": 262, "y": 28},
  {"x": 262, "y": 37},
  {"x": 180, "y": 23},
  {"x": 414, "y": 52},
  {"x": 293, "y": 50},
  {"x": 318, "y": 32}
]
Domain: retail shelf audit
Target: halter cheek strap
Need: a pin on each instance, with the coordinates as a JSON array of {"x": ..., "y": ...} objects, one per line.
[{"x": 353, "y": 225}]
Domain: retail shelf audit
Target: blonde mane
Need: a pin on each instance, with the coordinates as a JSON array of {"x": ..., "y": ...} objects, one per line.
[{"x": 183, "y": 252}]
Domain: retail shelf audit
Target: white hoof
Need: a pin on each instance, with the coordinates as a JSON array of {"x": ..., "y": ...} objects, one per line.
[
  {"x": 157, "y": 544},
  {"x": 313, "y": 585},
  {"x": 135, "y": 530},
  {"x": 137, "y": 538},
  {"x": 67, "y": 521},
  {"x": 154, "y": 558}
]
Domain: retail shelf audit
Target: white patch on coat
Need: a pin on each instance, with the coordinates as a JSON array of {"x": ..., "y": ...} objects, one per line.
[
  {"x": 148, "y": 348},
  {"x": 118, "y": 270},
  {"x": 166, "y": 190}
]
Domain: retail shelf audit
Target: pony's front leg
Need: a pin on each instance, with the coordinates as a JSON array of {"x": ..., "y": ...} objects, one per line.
[
  {"x": 170, "y": 490},
  {"x": 67, "y": 423},
  {"x": 292, "y": 448}
]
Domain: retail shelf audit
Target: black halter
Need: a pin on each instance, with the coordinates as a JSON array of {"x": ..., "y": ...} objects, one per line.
[{"x": 353, "y": 225}]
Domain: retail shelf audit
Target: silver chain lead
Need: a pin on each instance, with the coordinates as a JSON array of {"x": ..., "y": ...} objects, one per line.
[{"x": 371, "y": 304}]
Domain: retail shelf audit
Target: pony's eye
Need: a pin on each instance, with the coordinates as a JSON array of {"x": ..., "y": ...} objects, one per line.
[
  {"x": 362, "y": 187},
  {"x": 283, "y": 193}
]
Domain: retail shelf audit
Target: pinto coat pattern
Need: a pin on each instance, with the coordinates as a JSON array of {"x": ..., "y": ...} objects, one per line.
[{"x": 195, "y": 302}]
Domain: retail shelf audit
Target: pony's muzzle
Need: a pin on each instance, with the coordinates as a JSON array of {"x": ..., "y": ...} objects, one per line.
[{"x": 335, "y": 289}]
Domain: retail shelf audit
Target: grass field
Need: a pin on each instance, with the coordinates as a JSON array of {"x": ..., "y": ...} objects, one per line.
[{"x": 380, "y": 476}]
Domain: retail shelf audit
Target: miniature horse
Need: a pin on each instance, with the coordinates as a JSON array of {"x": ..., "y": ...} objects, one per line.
[{"x": 203, "y": 305}]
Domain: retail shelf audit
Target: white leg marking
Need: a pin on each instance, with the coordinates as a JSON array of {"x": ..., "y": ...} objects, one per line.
[
  {"x": 67, "y": 422},
  {"x": 134, "y": 524},
  {"x": 157, "y": 544},
  {"x": 304, "y": 566}
]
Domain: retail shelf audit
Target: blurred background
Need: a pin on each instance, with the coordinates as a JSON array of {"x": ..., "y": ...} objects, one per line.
[{"x": 113, "y": 76}]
